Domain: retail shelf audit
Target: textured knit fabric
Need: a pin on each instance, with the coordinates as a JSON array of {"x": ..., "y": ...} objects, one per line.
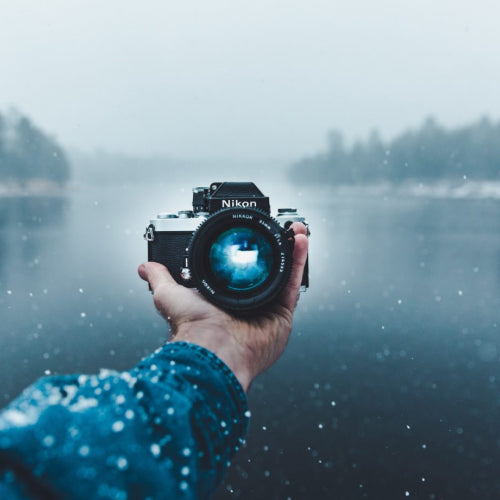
[{"x": 165, "y": 429}]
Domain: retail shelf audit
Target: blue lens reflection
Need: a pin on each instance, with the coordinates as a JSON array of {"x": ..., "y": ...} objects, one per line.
[{"x": 241, "y": 258}]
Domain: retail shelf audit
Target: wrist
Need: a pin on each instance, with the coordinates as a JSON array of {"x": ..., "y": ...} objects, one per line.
[{"x": 221, "y": 343}]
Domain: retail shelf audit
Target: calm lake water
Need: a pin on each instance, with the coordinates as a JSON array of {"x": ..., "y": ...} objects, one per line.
[{"x": 390, "y": 385}]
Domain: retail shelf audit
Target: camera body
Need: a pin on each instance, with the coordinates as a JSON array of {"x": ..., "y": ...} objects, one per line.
[{"x": 228, "y": 246}]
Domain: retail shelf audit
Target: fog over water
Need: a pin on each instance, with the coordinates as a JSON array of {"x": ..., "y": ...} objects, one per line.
[
  {"x": 390, "y": 381},
  {"x": 245, "y": 79}
]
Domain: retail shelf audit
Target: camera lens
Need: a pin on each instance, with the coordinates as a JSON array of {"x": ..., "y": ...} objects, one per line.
[{"x": 240, "y": 259}]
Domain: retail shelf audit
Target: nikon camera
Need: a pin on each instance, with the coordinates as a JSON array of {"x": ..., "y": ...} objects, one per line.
[{"x": 228, "y": 246}]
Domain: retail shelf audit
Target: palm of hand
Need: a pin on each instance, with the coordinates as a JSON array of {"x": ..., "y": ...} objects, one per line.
[{"x": 248, "y": 345}]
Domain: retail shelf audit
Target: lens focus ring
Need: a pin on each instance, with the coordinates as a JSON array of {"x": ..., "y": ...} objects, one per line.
[{"x": 240, "y": 259}]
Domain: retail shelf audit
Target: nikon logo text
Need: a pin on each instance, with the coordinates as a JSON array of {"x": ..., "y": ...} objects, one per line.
[{"x": 238, "y": 203}]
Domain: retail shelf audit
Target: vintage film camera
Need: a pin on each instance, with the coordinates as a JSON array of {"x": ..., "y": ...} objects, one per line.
[{"x": 228, "y": 246}]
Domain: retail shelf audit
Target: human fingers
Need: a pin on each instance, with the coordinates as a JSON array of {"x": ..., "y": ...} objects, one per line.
[
  {"x": 156, "y": 275},
  {"x": 172, "y": 300},
  {"x": 289, "y": 295},
  {"x": 299, "y": 228}
]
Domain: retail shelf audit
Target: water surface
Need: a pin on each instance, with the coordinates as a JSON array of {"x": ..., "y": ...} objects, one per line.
[{"x": 390, "y": 385}]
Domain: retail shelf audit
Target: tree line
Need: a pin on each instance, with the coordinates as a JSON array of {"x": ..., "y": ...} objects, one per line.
[
  {"x": 429, "y": 153},
  {"x": 27, "y": 153}
]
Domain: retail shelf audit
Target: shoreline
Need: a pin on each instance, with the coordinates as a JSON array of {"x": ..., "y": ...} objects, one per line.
[
  {"x": 443, "y": 189},
  {"x": 32, "y": 188}
]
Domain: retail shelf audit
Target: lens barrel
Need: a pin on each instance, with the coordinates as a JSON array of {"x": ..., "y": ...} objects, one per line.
[{"x": 240, "y": 259}]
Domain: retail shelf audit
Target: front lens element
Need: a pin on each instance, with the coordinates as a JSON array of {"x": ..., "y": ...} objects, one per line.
[{"x": 240, "y": 259}]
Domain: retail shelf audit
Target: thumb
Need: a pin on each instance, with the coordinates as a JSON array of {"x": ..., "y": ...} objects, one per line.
[
  {"x": 172, "y": 300},
  {"x": 156, "y": 275}
]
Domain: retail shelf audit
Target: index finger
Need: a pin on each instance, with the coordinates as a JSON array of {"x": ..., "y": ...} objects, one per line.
[{"x": 289, "y": 295}]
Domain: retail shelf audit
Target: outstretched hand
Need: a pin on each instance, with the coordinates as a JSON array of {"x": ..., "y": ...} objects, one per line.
[{"x": 247, "y": 345}]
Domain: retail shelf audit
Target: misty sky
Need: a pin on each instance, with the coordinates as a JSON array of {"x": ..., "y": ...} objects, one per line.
[{"x": 247, "y": 79}]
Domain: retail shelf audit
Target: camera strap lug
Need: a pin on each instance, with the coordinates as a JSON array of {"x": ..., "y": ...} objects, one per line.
[{"x": 150, "y": 233}]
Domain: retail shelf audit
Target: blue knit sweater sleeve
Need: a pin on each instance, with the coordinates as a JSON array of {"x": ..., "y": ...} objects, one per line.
[{"x": 165, "y": 429}]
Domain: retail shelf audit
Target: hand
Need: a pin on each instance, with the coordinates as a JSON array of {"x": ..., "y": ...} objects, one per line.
[{"x": 248, "y": 346}]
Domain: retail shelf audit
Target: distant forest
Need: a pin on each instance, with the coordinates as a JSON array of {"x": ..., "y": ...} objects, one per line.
[
  {"x": 429, "y": 153},
  {"x": 27, "y": 153}
]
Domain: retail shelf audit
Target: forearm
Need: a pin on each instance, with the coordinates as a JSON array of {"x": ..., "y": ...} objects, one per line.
[{"x": 170, "y": 424}]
